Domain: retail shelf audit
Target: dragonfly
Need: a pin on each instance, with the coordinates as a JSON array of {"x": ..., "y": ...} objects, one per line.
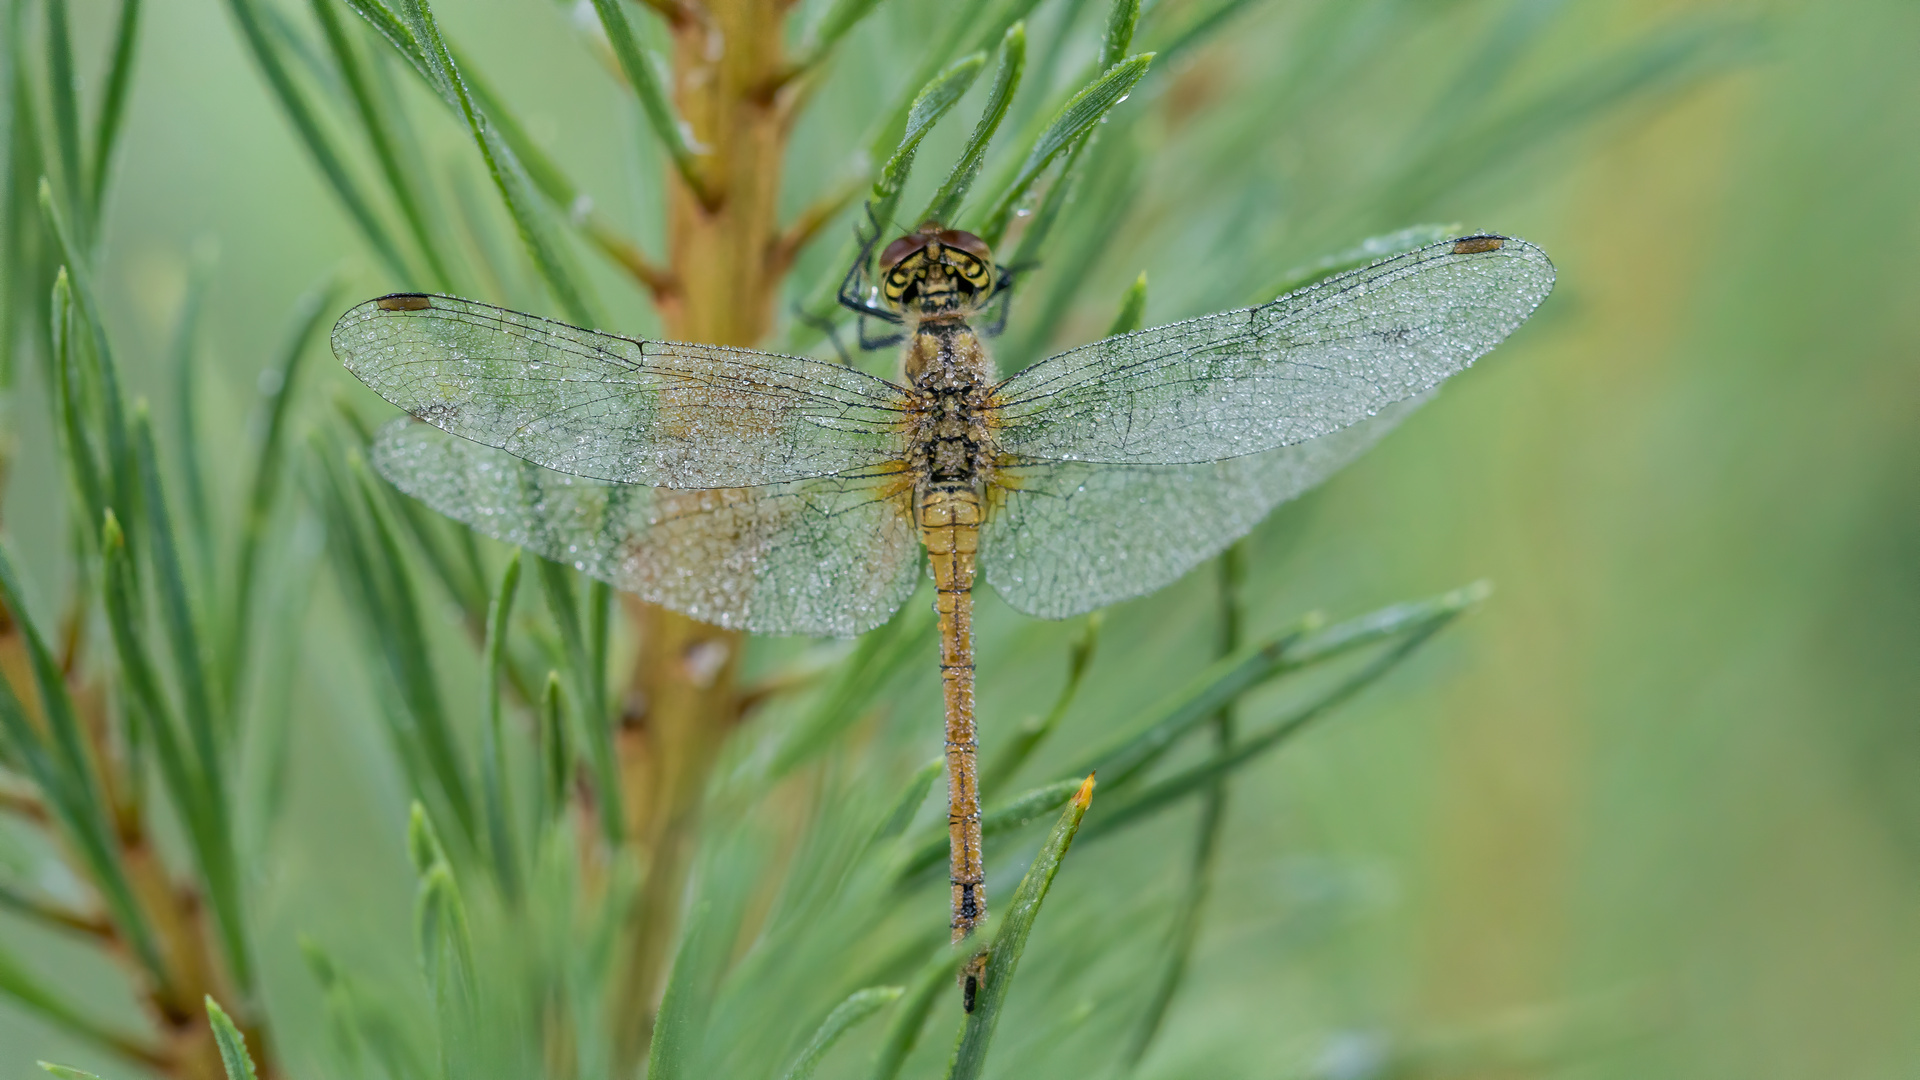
[{"x": 786, "y": 495}]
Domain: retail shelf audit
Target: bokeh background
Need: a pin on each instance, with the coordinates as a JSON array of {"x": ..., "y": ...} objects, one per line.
[{"x": 1652, "y": 811}]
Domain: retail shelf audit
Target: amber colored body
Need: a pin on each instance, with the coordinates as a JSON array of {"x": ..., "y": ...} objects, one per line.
[
  {"x": 950, "y": 528},
  {"x": 950, "y": 375},
  {"x": 938, "y": 285}
]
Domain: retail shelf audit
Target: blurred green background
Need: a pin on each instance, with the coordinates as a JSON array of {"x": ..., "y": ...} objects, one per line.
[{"x": 1652, "y": 811}]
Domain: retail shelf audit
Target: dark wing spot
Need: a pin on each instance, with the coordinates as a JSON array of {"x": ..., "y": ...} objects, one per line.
[
  {"x": 1474, "y": 245},
  {"x": 404, "y": 302}
]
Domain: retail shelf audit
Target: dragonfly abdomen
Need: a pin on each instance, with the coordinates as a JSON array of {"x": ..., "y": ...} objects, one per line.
[{"x": 950, "y": 529}]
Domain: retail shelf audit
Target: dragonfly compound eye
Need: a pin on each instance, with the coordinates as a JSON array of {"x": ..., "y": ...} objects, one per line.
[{"x": 937, "y": 271}]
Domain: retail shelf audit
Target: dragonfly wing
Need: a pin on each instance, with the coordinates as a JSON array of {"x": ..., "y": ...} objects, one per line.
[
  {"x": 614, "y": 408},
  {"x": 831, "y": 556},
  {"x": 1069, "y": 537},
  {"x": 1312, "y": 362}
]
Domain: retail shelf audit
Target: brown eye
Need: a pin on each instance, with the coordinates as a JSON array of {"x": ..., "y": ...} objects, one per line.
[
  {"x": 900, "y": 249},
  {"x": 967, "y": 242}
]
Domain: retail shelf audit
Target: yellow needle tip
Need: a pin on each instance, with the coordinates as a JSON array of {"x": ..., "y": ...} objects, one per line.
[{"x": 1084, "y": 796}]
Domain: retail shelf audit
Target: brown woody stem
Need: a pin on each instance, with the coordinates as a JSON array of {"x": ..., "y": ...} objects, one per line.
[
  {"x": 809, "y": 223},
  {"x": 191, "y": 967},
  {"x": 719, "y": 286}
]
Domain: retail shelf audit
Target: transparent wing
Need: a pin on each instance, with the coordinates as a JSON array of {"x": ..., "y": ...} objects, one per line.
[
  {"x": 1309, "y": 363},
  {"x": 613, "y": 408},
  {"x": 1069, "y": 537},
  {"x": 830, "y": 556}
]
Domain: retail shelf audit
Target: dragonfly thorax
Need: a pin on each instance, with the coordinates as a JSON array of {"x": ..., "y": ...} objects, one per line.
[
  {"x": 937, "y": 273},
  {"x": 952, "y": 379},
  {"x": 946, "y": 354}
]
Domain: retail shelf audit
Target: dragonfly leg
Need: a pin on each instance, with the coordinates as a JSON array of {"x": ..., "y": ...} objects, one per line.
[
  {"x": 826, "y": 326},
  {"x": 871, "y": 343},
  {"x": 854, "y": 294},
  {"x": 999, "y": 323},
  {"x": 1002, "y": 294},
  {"x": 850, "y": 296},
  {"x": 867, "y": 310}
]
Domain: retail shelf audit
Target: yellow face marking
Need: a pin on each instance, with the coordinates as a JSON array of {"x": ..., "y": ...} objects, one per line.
[
  {"x": 404, "y": 302},
  {"x": 920, "y": 265},
  {"x": 1474, "y": 245},
  {"x": 904, "y": 274},
  {"x": 973, "y": 269}
]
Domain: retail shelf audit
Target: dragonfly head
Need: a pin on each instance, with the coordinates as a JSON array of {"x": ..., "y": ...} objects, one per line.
[{"x": 935, "y": 272}]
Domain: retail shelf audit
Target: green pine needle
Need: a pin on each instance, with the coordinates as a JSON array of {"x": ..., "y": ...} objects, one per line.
[{"x": 233, "y": 1048}]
